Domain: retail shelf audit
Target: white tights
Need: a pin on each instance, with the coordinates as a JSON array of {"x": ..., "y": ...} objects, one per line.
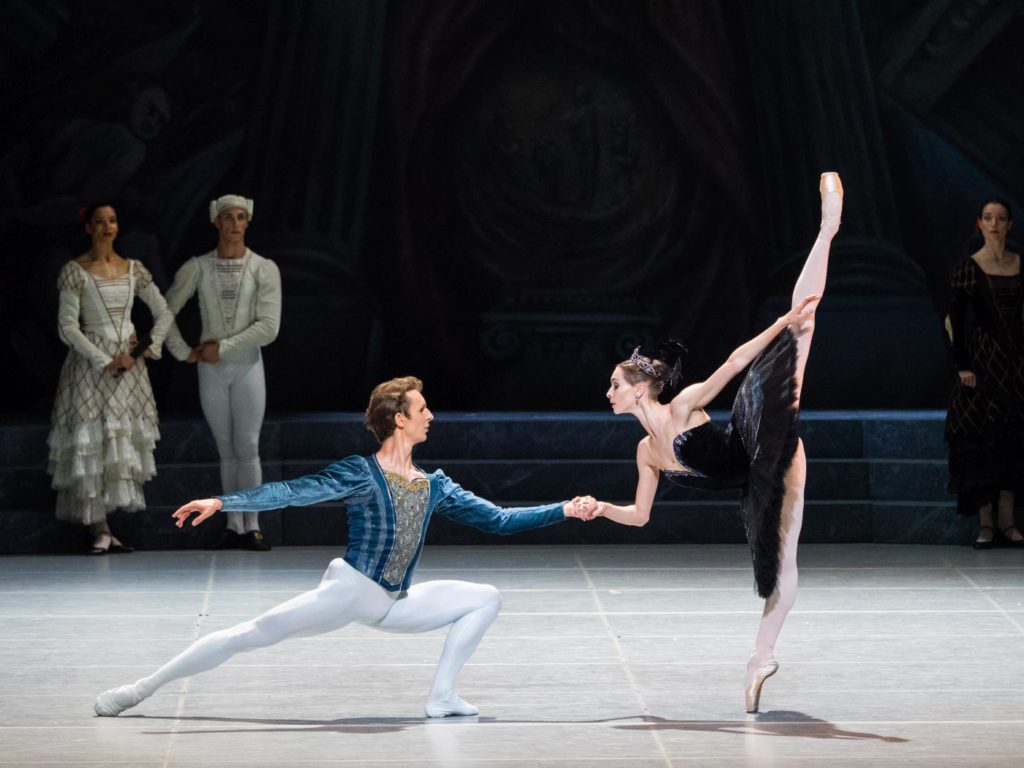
[
  {"x": 344, "y": 596},
  {"x": 234, "y": 399},
  {"x": 778, "y": 605}
]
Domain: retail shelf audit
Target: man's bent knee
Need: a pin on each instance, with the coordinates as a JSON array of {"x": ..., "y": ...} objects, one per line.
[{"x": 490, "y": 598}]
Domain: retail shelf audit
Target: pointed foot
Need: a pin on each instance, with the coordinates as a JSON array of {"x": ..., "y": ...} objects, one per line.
[
  {"x": 756, "y": 675},
  {"x": 831, "y": 188},
  {"x": 115, "y": 701}
]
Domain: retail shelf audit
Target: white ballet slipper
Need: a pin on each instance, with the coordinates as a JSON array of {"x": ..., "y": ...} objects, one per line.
[
  {"x": 453, "y": 705},
  {"x": 115, "y": 701}
]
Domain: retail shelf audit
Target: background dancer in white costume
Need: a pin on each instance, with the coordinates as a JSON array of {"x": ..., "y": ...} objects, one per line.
[
  {"x": 104, "y": 416},
  {"x": 759, "y": 451},
  {"x": 240, "y": 304},
  {"x": 390, "y": 501}
]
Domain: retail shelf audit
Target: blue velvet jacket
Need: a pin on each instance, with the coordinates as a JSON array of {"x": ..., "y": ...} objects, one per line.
[{"x": 359, "y": 482}]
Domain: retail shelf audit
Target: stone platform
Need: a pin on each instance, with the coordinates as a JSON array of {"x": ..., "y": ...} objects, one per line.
[{"x": 602, "y": 657}]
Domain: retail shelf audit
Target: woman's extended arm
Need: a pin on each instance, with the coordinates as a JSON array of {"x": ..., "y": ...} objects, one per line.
[
  {"x": 699, "y": 395},
  {"x": 639, "y": 512}
]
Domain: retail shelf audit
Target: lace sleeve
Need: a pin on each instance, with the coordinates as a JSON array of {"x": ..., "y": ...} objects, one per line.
[
  {"x": 147, "y": 290},
  {"x": 71, "y": 283},
  {"x": 143, "y": 277},
  {"x": 70, "y": 278}
]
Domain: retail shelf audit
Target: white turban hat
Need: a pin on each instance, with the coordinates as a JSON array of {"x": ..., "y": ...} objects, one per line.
[{"x": 221, "y": 204}]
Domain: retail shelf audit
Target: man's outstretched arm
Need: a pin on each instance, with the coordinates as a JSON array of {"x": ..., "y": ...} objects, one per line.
[{"x": 342, "y": 481}]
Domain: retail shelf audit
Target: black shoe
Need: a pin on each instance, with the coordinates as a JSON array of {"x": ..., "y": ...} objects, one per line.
[
  {"x": 1006, "y": 541},
  {"x": 254, "y": 540},
  {"x": 101, "y": 544},
  {"x": 119, "y": 547},
  {"x": 228, "y": 540},
  {"x": 981, "y": 543}
]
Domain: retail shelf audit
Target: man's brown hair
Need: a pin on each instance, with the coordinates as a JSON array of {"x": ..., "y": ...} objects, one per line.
[{"x": 386, "y": 401}]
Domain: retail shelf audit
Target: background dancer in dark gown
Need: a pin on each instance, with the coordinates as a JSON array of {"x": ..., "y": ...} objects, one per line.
[
  {"x": 985, "y": 421},
  {"x": 759, "y": 450}
]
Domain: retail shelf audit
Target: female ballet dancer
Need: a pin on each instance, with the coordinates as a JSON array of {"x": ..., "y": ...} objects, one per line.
[{"x": 759, "y": 450}]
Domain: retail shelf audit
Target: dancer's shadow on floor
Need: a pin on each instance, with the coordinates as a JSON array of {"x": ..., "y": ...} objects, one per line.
[
  {"x": 774, "y": 723},
  {"x": 366, "y": 725}
]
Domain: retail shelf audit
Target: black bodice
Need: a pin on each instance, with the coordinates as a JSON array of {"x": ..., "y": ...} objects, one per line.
[
  {"x": 713, "y": 456},
  {"x": 753, "y": 452}
]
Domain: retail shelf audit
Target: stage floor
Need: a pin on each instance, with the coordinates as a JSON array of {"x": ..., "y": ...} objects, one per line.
[{"x": 602, "y": 656}]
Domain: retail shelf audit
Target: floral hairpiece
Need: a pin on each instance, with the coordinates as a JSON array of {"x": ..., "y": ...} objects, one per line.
[{"x": 643, "y": 363}]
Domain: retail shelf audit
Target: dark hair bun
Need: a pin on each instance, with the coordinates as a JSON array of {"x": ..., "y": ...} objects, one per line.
[{"x": 671, "y": 353}]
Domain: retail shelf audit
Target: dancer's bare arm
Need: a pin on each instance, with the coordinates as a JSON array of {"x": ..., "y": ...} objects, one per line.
[
  {"x": 699, "y": 395},
  {"x": 204, "y": 507},
  {"x": 639, "y": 512}
]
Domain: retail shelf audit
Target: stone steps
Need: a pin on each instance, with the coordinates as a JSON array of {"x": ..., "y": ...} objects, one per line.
[{"x": 872, "y": 476}]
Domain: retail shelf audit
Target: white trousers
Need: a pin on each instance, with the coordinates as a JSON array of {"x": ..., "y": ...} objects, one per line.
[
  {"x": 345, "y": 596},
  {"x": 234, "y": 400}
]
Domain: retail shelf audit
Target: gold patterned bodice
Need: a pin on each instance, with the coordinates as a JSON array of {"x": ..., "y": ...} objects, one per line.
[{"x": 409, "y": 499}]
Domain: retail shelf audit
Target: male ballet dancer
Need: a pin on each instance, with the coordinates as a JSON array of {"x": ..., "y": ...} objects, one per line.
[
  {"x": 240, "y": 303},
  {"x": 390, "y": 501}
]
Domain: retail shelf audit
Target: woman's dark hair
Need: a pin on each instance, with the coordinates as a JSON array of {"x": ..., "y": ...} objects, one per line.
[
  {"x": 663, "y": 372},
  {"x": 997, "y": 201},
  {"x": 86, "y": 211}
]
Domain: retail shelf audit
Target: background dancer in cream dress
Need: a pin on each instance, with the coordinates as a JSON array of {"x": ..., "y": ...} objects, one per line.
[{"x": 104, "y": 420}]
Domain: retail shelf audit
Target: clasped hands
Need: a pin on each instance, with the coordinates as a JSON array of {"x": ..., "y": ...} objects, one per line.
[
  {"x": 584, "y": 508},
  {"x": 125, "y": 361},
  {"x": 119, "y": 364},
  {"x": 206, "y": 352}
]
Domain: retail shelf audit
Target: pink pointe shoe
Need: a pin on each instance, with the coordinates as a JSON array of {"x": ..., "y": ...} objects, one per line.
[
  {"x": 831, "y": 189},
  {"x": 755, "y": 681}
]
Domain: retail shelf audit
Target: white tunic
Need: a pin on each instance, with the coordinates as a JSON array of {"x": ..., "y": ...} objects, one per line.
[{"x": 241, "y": 327}]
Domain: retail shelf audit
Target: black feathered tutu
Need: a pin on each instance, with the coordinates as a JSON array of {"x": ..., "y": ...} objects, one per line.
[{"x": 753, "y": 452}]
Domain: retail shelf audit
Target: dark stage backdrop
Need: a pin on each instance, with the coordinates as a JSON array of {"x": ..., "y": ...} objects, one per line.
[{"x": 504, "y": 197}]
